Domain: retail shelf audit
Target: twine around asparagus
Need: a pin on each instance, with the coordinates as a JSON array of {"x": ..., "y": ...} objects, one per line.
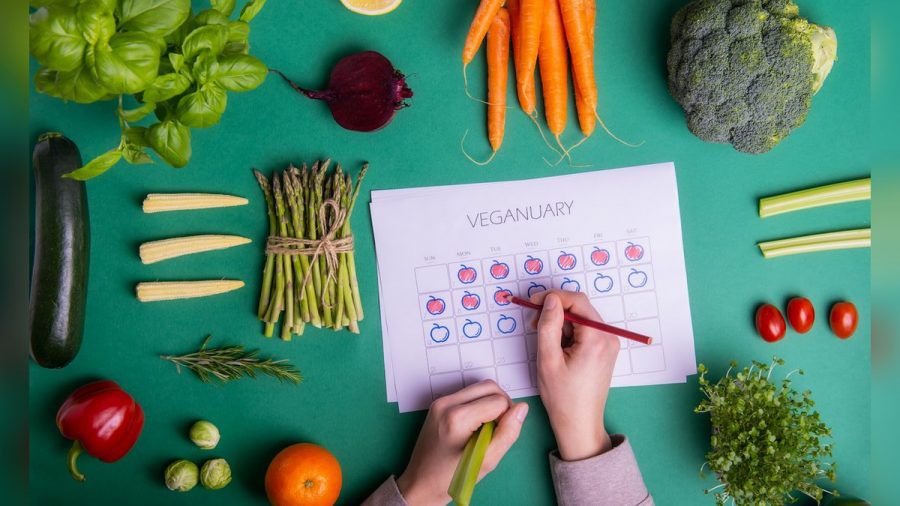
[{"x": 327, "y": 246}]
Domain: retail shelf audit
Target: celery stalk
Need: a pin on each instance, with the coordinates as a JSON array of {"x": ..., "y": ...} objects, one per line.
[
  {"x": 463, "y": 483},
  {"x": 845, "y": 239},
  {"x": 838, "y": 193}
]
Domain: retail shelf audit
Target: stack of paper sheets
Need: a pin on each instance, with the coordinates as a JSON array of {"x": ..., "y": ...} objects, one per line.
[{"x": 448, "y": 256}]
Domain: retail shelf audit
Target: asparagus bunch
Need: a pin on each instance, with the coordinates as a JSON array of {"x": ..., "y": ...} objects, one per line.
[{"x": 302, "y": 286}]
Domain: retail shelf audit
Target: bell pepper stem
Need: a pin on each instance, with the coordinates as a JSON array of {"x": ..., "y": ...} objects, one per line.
[{"x": 74, "y": 452}]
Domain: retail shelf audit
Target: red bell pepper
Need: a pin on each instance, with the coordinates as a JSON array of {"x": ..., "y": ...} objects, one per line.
[{"x": 102, "y": 419}]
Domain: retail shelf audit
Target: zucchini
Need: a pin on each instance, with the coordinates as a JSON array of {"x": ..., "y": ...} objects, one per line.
[{"x": 61, "y": 253}]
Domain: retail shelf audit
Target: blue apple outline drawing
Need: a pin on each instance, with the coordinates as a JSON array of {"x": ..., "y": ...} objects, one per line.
[
  {"x": 637, "y": 274},
  {"x": 439, "y": 328},
  {"x": 562, "y": 286},
  {"x": 539, "y": 287},
  {"x": 501, "y": 323},
  {"x": 602, "y": 277},
  {"x": 471, "y": 334}
]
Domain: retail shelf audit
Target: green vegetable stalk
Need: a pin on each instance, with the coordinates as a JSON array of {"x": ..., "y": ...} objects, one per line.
[
  {"x": 767, "y": 440},
  {"x": 313, "y": 281},
  {"x": 838, "y": 193},
  {"x": 466, "y": 475},
  {"x": 178, "y": 66}
]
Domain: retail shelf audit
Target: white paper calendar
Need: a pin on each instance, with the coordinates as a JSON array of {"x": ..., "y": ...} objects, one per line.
[{"x": 449, "y": 256}]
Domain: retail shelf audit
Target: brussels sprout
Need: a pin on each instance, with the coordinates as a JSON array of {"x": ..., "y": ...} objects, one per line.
[
  {"x": 181, "y": 475},
  {"x": 215, "y": 474},
  {"x": 205, "y": 435}
]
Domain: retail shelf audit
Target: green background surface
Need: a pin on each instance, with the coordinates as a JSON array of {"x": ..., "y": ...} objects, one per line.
[{"x": 341, "y": 403}]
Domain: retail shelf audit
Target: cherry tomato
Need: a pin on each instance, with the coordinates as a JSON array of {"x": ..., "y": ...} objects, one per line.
[
  {"x": 769, "y": 323},
  {"x": 843, "y": 319},
  {"x": 801, "y": 314}
]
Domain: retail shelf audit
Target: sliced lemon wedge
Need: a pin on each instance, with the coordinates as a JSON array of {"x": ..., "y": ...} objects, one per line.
[{"x": 371, "y": 7}]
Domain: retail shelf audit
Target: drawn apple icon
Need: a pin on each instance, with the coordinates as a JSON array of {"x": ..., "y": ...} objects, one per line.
[
  {"x": 599, "y": 256},
  {"x": 439, "y": 333},
  {"x": 435, "y": 306},
  {"x": 566, "y": 261},
  {"x": 466, "y": 274},
  {"x": 570, "y": 285},
  {"x": 637, "y": 278},
  {"x": 501, "y": 296},
  {"x": 471, "y": 329},
  {"x": 471, "y": 301},
  {"x": 499, "y": 270},
  {"x": 536, "y": 288},
  {"x": 603, "y": 283},
  {"x": 634, "y": 252},
  {"x": 533, "y": 265},
  {"x": 506, "y": 325}
]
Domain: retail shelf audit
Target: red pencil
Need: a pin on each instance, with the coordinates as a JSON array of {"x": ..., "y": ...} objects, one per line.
[{"x": 605, "y": 327}]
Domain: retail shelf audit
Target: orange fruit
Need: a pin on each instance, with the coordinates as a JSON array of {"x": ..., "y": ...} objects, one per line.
[{"x": 303, "y": 474}]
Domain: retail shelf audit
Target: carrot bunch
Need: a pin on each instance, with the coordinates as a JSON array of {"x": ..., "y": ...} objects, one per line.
[{"x": 544, "y": 34}]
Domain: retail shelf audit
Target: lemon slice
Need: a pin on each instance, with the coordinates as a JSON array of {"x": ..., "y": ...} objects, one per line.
[{"x": 371, "y": 7}]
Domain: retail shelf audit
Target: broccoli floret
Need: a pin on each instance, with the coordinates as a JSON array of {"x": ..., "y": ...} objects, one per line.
[{"x": 745, "y": 71}]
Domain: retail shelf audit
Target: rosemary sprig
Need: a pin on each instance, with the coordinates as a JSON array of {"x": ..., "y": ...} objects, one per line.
[{"x": 227, "y": 363}]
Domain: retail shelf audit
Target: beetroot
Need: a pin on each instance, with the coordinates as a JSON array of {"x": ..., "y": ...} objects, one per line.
[{"x": 364, "y": 91}]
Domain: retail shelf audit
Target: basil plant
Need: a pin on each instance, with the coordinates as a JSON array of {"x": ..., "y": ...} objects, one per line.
[{"x": 179, "y": 65}]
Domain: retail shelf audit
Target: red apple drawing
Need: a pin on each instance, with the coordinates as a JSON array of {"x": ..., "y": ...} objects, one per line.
[
  {"x": 466, "y": 274},
  {"x": 471, "y": 301},
  {"x": 634, "y": 252},
  {"x": 501, "y": 296},
  {"x": 566, "y": 261},
  {"x": 435, "y": 306},
  {"x": 499, "y": 270},
  {"x": 533, "y": 265},
  {"x": 599, "y": 256}
]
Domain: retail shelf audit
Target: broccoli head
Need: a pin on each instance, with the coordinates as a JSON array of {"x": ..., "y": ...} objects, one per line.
[{"x": 745, "y": 71}]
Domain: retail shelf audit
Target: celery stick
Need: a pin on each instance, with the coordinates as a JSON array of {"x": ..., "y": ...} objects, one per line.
[
  {"x": 845, "y": 239},
  {"x": 838, "y": 193},
  {"x": 463, "y": 483}
]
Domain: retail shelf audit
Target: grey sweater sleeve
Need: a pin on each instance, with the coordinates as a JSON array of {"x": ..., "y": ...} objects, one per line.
[
  {"x": 386, "y": 495},
  {"x": 610, "y": 479}
]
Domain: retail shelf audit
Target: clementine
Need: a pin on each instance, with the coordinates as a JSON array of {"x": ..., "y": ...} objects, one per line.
[{"x": 303, "y": 474}]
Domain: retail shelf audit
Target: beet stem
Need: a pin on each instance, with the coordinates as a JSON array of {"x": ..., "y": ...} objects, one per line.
[{"x": 316, "y": 95}]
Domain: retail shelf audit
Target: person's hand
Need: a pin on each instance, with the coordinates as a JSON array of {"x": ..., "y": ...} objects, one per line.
[
  {"x": 451, "y": 421},
  {"x": 574, "y": 368}
]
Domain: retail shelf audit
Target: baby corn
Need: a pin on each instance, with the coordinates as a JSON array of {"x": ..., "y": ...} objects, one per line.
[
  {"x": 172, "y": 290},
  {"x": 156, "y": 251},
  {"x": 160, "y": 202}
]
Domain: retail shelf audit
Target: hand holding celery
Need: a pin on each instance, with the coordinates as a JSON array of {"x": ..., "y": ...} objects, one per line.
[{"x": 466, "y": 476}]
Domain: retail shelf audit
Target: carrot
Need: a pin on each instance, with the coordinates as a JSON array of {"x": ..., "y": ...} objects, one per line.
[
  {"x": 554, "y": 64},
  {"x": 484, "y": 16},
  {"x": 578, "y": 36},
  {"x": 498, "y": 70},
  {"x": 526, "y": 95},
  {"x": 587, "y": 120},
  {"x": 531, "y": 21}
]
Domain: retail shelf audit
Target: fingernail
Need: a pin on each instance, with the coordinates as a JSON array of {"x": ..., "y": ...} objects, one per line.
[
  {"x": 521, "y": 412},
  {"x": 550, "y": 302}
]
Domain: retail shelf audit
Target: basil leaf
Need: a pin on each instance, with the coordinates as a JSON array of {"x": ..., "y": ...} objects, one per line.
[
  {"x": 96, "y": 166},
  {"x": 157, "y": 17},
  {"x": 176, "y": 38},
  {"x": 172, "y": 142},
  {"x": 136, "y": 136},
  {"x": 210, "y": 17},
  {"x": 128, "y": 64},
  {"x": 177, "y": 61},
  {"x": 166, "y": 86},
  {"x": 202, "y": 108},
  {"x": 238, "y": 31},
  {"x": 55, "y": 38},
  {"x": 203, "y": 70},
  {"x": 135, "y": 155},
  {"x": 138, "y": 113},
  {"x": 251, "y": 10},
  {"x": 240, "y": 73},
  {"x": 210, "y": 37},
  {"x": 226, "y": 7},
  {"x": 77, "y": 85},
  {"x": 96, "y": 22}
]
